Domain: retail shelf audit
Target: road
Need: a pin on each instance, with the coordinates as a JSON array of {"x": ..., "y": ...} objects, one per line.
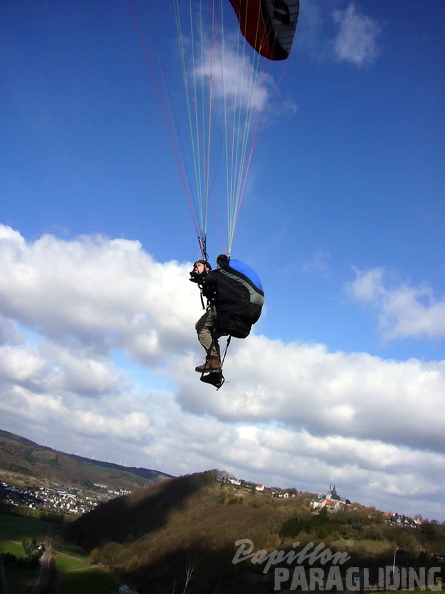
[{"x": 46, "y": 563}]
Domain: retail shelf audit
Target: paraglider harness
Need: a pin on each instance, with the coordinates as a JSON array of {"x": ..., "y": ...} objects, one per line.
[{"x": 236, "y": 296}]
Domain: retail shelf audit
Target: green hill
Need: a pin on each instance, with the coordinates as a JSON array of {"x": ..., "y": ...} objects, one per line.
[
  {"x": 23, "y": 457},
  {"x": 189, "y": 526},
  {"x": 182, "y": 534}
]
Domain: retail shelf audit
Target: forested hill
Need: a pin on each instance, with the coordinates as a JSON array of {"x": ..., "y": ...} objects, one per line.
[
  {"x": 191, "y": 526},
  {"x": 24, "y": 457}
]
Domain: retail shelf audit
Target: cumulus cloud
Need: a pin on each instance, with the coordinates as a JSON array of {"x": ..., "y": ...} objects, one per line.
[
  {"x": 356, "y": 40},
  {"x": 74, "y": 292},
  {"x": 329, "y": 33},
  {"x": 229, "y": 74},
  {"x": 220, "y": 66},
  {"x": 97, "y": 357},
  {"x": 236, "y": 80},
  {"x": 403, "y": 310}
]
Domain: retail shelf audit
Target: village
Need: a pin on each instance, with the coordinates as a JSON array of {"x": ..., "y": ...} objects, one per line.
[
  {"x": 57, "y": 497},
  {"x": 331, "y": 501}
]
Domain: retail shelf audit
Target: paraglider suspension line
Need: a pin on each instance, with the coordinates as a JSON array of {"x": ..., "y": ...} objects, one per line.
[{"x": 202, "y": 240}]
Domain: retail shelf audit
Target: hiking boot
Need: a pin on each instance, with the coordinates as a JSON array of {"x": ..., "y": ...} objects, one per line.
[{"x": 213, "y": 364}]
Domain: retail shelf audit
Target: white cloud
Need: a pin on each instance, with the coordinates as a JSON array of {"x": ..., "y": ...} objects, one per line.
[
  {"x": 77, "y": 373},
  {"x": 356, "y": 41},
  {"x": 235, "y": 79},
  {"x": 19, "y": 364},
  {"x": 96, "y": 292},
  {"x": 340, "y": 34},
  {"x": 403, "y": 310},
  {"x": 98, "y": 356},
  {"x": 319, "y": 262}
]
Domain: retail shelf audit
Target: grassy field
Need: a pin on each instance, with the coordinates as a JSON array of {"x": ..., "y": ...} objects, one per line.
[
  {"x": 66, "y": 562},
  {"x": 16, "y": 528},
  {"x": 13, "y": 529},
  {"x": 15, "y": 548},
  {"x": 75, "y": 572},
  {"x": 90, "y": 580},
  {"x": 77, "y": 575}
]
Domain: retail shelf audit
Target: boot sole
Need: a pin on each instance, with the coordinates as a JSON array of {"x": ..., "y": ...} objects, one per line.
[{"x": 215, "y": 379}]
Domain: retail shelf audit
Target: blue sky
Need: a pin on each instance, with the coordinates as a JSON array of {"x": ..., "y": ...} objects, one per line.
[{"x": 343, "y": 379}]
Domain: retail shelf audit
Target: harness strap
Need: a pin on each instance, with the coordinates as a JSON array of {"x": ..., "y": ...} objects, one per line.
[{"x": 225, "y": 350}]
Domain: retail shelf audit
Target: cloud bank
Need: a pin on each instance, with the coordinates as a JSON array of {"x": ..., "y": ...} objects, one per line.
[{"x": 97, "y": 356}]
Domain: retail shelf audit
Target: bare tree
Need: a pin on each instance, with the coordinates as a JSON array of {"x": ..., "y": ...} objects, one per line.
[{"x": 190, "y": 571}]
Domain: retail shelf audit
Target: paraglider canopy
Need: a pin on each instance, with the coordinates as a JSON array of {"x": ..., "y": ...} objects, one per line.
[{"x": 268, "y": 25}]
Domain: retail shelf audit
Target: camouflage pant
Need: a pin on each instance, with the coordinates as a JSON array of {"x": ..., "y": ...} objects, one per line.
[{"x": 204, "y": 327}]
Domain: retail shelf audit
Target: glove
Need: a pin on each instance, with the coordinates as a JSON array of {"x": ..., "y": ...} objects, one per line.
[{"x": 197, "y": 278}]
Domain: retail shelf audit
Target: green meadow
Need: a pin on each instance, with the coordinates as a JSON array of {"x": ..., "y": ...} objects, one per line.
[
  {"x": 75, "y": 573},
  {"x": 90, "y": 580},
  {"x": 14, "y": 528}
]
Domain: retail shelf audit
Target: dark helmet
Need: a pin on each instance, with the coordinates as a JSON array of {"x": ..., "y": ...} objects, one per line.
[
  {"x": 206, "y": 264},
  {"x": 194, "y": 276}
]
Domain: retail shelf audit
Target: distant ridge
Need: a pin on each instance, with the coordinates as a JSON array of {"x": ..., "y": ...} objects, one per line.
[
  {"x": 22, "y": 456},
  {"x": 139, "y": 471}
]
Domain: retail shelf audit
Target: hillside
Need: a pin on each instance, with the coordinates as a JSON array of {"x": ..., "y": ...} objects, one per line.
[
  {"x": 23, "y": 457},
  {"x": 155, "y": 537}
]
